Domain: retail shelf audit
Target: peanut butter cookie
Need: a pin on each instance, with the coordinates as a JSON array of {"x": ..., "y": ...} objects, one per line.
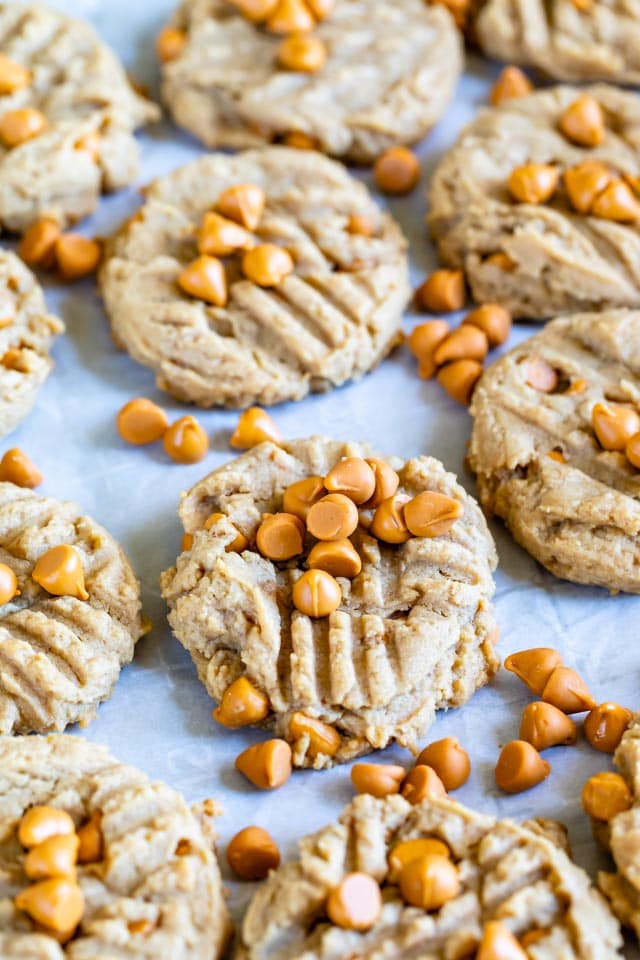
[
  {"x": 310, "y": 292},
  {"x": 349, "y": 642}
]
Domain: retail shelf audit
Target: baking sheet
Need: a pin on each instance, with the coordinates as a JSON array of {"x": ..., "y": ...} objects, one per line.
[{"x": 159, "y": 717}]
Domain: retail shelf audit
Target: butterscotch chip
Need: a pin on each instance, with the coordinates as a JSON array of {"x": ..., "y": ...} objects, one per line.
[
  {"x": 299, "y": 141},
  {"x": 186, "y": 440},
  {"x": 498, "y": 943},
  {"x": 239, "y": 542},
  {"x": 267, "y": 264},
  {"x": 241, "y": 705},
  {"x": 493, "y": 320},
  {"x": 605, "y": 795},
  {"x": 442, "y": 292},
  {"x": 431, "y": 514},
  {"x": 91, "y": 840},
  {"x": 37, "y": 247},
  {"x": 422, "y": 782},
  {"x": 511, "y": 83},
  {"x": 388, "y": 522},
  {"x": 353, "y": 477},
  {"x": 255, "y": 426},
  {"x": 632, "y": 450},
  {"x": 205, "y": 279},
  {"x": 244, "y": 203},
  {"x": 337, "y": 557},
  {"x": 266, "y": 765},
  {"x": 566, "y": 690},
  {"x": 256, "y": 11},
  {"x": 40, "y": 823},
  {"x": 604, "y": 726},
  {"x": 356, "y": 902},
  {"x": 218, "y": 236},
  {"x": 76, "y": 256},
  {"x": 533, "y": 183},
  {"x": 429, "y": 881},
  {"x": 386, "y": 482},
  {"x": 520, "y": 767},
  {"x": 290, "y": 16},
  {"x": 280, "y": 536},
  {"x": 614, "y": 425},
  {"x": 300, "y": 496},
  {"x": 59, "y": 571},
  {"x": 585, "y": 182},
  {"x": 397, "y": 170},
  {"x": 583, "y": 122},
  {"x": 407, "y": 850},
  {"x": 377, "y": 779},
  {"x": 467, "y": 342},
  {"x": 459, "y": 379},
  {"x": 253, "y": 853},
  {"x": 322, "y": 737},
  {"x": 361, "y": 225},
  {"x": 334, "y": 517},
  {"x": 170, "y": 43},
  {"x": 423, "y": 340},
  {"x": 534, "y": 666},
  {"x": 141, "y": 421},
  {"x": 543, "y": 725},
  {"x": 13, "y": 76},
  {"x": 617, "y": 202},
  {"x": 302, "y": 53},
  {"x": 57, "y": 904},
  {"x": 316, "y": 594},
  {"x": 8, "y": 584},
  {"x": 18, "y": 126},
  {"x": 449, "y": 760}
]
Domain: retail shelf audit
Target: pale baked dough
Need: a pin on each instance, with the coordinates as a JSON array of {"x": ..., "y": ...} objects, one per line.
[
  {"x": 414, "y": 633},
  {"x": 158, "y": 865},
  {"x": 508, "y": 872},
  {"x": 390, "y": 74},
  {"x": 27, "y": 332},
  {"x": 561, "y": 260},
  {"x": 331, "y": 320},
  {"x": 579, "y": 518},
  {"x": 82, "y": 89},
  {"x": 60, "y": 657}
]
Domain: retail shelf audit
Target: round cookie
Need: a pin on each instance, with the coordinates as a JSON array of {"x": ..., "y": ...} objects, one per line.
[
  {"x": 507, "y": 873},
  {"x": 621, "y": 836},
  {"x": 331, "y": 319},
  {"x": 27, "y": 332},
  {"x": 569, "y": 40},
  {"x": 539, "y": 259},
  {"x": 390, "y": 73},
  {"x": 152, "y": 891},
  {"x": 572, "y": 504},
  {"x": 90, "y": 111},
  {"x": 414, "y": 631},
  {"x": 61, "y": 656}
]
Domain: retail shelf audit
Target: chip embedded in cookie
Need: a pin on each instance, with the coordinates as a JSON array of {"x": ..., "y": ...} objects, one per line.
[
  {"x": 100, "y": 862},
  {"x": 539, "y": 202},
  {"x": 67, "y": 116},
  {"x": 574, "y": 40},
  {"x": 556, "y": 426},
  {"x": 241, "y": 279},
  {"x": 339, "y": 597},
  {"x": 27, "y": 332},
  {"x": 70, "y": 614},
  {"x": 349, "y": 79},
  {"x": 432, "y": 880}
]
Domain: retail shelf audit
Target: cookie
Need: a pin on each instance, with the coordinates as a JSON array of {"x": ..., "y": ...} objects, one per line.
[
  {"x": 621, "y": 835},
  {"x": 67, "y": 116},
  {"x": 569, "y": 40},
  {"x": 150, "y": 887},
  {"x": 505, "y": 873},
  {"x": 330, "y": 318},
  {"x": 61, "y": 655},
  {"x": 412, "y": 633},
  {"x": 540, "y": 464},
  {"x": 389, "y": 74},
  {"x": 27, "y": 332},
  {"x": 575, "y": 244}
]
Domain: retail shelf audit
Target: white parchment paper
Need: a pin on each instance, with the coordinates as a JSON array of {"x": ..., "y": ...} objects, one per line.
[{"x": 160, "y": 717}]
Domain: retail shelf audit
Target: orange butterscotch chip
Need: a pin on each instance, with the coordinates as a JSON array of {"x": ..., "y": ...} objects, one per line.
[
  {"x": 241, "y": 705},
  {"x": 408, "y": 850},
  {"x": 459, "y": 10},
  {"x": 16, "y": 467},
  {"x": 41, "y": 822},
  {"x": 170, "y": 43},
  {"x": 377, "y": 779},
  {"x": 498, "y": 943},
  {"x": 204, "y": 278},
  {"x": 459, "y": 379},
  {"x": 239, "y": 542},
  {"x": 632, "y": 450},
  {"x": 13, "y": 76},
  {"x": 583, "y": 122},
  {"x": 300, "y": 496},
  {"x": 89, "y": 143},
  {"x": 614, "y": 425},
  {"x": 616, "y": 202},
  {"x": 334, "y": 517},
  {"x": 302, "y": 53},
  {"x": 534, "y": 667},
  {"x": 429, "y": 881},
  {"x": 299, "y": 140},
  {"x": 316, "y": 594},
  {"x": 255, "y": 426},
  {"x": 18, "y": 126},
  {"x": 543, "y": 725},
  {"x": 397, "y": 170},
  {"x": 91, "y": 840},
  {"x": 449, "y": 760},
  {"x": 533, "y": 182},
  {"x": 431, "y": 514},
  {"x": 280, "y": 536},
  {"x": 256, "y": 11},
  {"x": 520, "y": 767},
  {"x": 59, "y": 571},
  {"x": 243, "y": 203},
  {"x": 356, "y": 902},
  {"x": 511, "y": 83},
  {"x": 388, "y": 522},
  {"x": 422, "y": 782},
  {"x": 604, "y": 726},
  {"x": 605, "y": 795},
  {"x": 266, "y": 765},
  {"x": 187, "y": 542},
  {"x": 8, "y": 584},
  {"x": 37, "y": 247},
  {"x": 267, "y": 265},
  {"x": 219, "y": 236},
  {"x": 253, "y": 853},
  {"x": 501, "y": 261},
  {"x": 54, "y": 857},
  {"x": 386, "y": 482},
  {"x": 466, "y": 342},
  {"x": 493, "y": 320},
  {"x": 442, "y": 292},
  {"x": 141, "y": 421},
  {"x": 584, "y": 182},
  {"x": 186, "y": 441},
  {"x": 337, "y": 557},
  {"x": 321, "y": 9},
  {"x": 540, "y": 375},
  {"x": 423, "y": 340},
  {"x": 361, "y": 225},
  {"x": 56, "y": 903},
  {"x": 323, "y": 738},
  {"x": 290, "y": 16},
  {"x": 353, "y": 477}
]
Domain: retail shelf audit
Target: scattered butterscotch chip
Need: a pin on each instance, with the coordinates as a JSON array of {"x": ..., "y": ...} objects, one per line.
[
  {"x": 41, "y": 822},
  {"x": 253, "y": 853},
  {"x": 13, "y": 76},
  {"x": 316, "y": 594},
  {"x": 377, "y": 779},
  {"x": 266, "y": 765},
  {"x": 397, "y": 170},
  {"x": 429, "y": 881},
  {"x": 361, "y": 225},
  {"x": 334, "y": 517},
  {"x": 532, "y": 936},
  {"x": 280, "y": 536},
  {"x": 584, "y": 182},
  {"x": 337, "y": 557},
  {"x": 386, "y": 482},
  {"x": 91, "y": 840},
  {"x": 583, "y": 122},
  {"x": 290, "y": 16},
  {"x": 534, "y": 667},
  {"x": 466, "y": 342},
  {"x": 256, "y": 11},
  {"x": 511, "y": 83},
  {"x": 540, "y": 375},
  {"x": 423, "y": 340},
  {"x": 255, "y": 426},
  {"x": 299, "y": 140},
  {"x": 449, "y": 760},
  {"x": 59, "y": 571},
  {"x": 302, "y": 53},
  {"x": 205, "y": 279},
  {"x": 632, "y": 450},
  {"x": 187, "y": 542},
  {"x": 408, "y": 850},
  {"x": 567, "y": 691},
  {"x": 8, "y": 584},
  {"x": 57, "y": 904},
  {"x": 614, "y": 425},
  {"x": 493, "y": 320},
  {"x": 442, "y": 292},
  {"x": 520, "y": 767},
  {"x": 18, "y": 126},
  {"x": 533, "y": 183},
  {"x": 557, "y": 455},
  {"x": 38, "y": 245},
  {"x": 300, "y": 496},
  {"x": 617, "y": 202},
  {"x": 170, "y": 43},
  {"x": 605, "y": 795},
  {"x": 420, "y": 783},
  {"x": 238, "y": 544},
  {"x": 54, "y": 857},
  {"x": 388, "y": 522},
  {"x": 543, "y": 725},
  {"x": 323, "y": 738},
  {"x": 431, "y": 514},
  {"x": 267, "y": 265},
  {"x": 242, "y": 704},
  {"x": 321, "y": 8},
  {"x": 141, "y": 421},
  {"x": 356, "y": 902},
  {"x": 459, "y": 379},
  {"x": 243, "y": 203},
  {"x": 498, "y": 943},
  {"x": 219, "y": 236},
  {"x": 186, "y": 441},
  {"x": 605, "y": 724},
  {"x": 353, "y": 477},
  {"x": 76, "y": 256}
]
